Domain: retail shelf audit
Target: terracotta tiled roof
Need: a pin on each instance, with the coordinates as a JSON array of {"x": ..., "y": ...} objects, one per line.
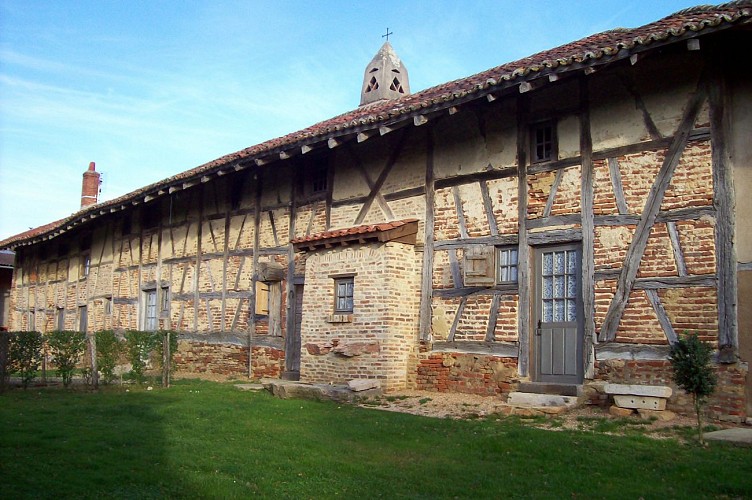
[
  {"x": 598, "y": 49},
  {"x": 353, "y": 233}
]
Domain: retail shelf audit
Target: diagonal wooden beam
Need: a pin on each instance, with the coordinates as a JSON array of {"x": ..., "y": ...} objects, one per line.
[
  {"x": 456, "y": 321},
  {"x": 615, "y": 174},
  {"x": 552, "y": 194},
  {"x": 460, "y": 211},
  {"x": 391, "y": 161},
  {"x": 491, "y": 326},
  {"x": 673, "y": 234},
  {"x": 640, "y": 104},
  {"x": 367, "y": 177},
  {"x": 660, "y": 312},
  {"x": 488, "y": 206},
  {"x": 652, "y": 206}
]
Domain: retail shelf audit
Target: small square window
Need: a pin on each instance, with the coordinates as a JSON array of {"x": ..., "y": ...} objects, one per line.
[
  {"x": 343, "y": 294},
  {"x": 543, "y": 142},
  {"x": 506, "y": 265},
  {"x": 319, "y": 180}
]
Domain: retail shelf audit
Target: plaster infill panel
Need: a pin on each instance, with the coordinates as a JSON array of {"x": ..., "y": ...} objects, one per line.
[{"x": 459, "y": 147}]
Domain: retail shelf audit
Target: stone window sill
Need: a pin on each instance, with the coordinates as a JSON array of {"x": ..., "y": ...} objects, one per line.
[{"x": 340, "y": 318}]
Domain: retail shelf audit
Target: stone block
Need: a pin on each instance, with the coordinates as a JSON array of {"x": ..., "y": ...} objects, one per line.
[
  {"x": 620, "y": 412},
  {"x": 662, "y": 415},
  {"x": 363, "y": 384},
  {"x": 640, "y": 402},
  {"x": 655, "y": 391}
]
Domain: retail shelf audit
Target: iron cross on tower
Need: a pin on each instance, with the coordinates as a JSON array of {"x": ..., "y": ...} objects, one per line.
[{"x": 387, "y": 34}]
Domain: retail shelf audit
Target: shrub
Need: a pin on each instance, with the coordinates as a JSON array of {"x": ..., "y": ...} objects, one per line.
[
  {"x": 138, "y": 347},
  {"x": 66, "y": 349},
  {"x": 25, "y": 354},
  {"x": 691, "y": 363},
  {"x": 109, "y": 349}
]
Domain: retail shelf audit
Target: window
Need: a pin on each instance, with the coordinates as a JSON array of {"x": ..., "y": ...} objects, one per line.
[
  {"x": 156, "y": 305},
  {"x": 32, "y": 322},
  {"x": 60, "y": 320},
  {"x": 83, "y": 320},
  {"x": 506, "y": 265},
  {"x": 543, "y": 142},
  {"x": 108, "y": 305},
  {"x": 150, "y": 310},
  {"x": 165, "y": 302},
  {"x": 343, "y": 294},
  {"x": 85, "y": 265}
]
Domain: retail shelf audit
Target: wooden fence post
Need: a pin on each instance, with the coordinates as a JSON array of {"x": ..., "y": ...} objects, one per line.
[
  {"x": 4, "y": 357},
  {"x": 93, "y": 359},
  {"x": 166, "y": 359}
]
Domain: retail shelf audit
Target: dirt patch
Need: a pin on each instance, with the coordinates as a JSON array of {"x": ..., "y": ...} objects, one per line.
[{"x": 468, "y": 406}]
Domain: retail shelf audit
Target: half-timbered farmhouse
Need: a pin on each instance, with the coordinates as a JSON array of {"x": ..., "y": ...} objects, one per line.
[{"x": 560, "y": 219}]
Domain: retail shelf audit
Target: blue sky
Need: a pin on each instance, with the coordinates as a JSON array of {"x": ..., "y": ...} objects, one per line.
[{"x": 147, "y": 89}]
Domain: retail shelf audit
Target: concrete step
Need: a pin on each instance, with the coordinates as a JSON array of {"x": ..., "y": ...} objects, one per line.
[{"x": 551, "y": 388}]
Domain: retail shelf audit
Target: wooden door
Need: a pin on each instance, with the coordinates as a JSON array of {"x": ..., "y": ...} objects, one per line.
[
  {"x": 293, "y": 339},
  {"x": 558, "y": 321}
]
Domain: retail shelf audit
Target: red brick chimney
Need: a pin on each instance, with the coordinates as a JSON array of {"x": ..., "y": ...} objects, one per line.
[{"x": 90, "y": 186}]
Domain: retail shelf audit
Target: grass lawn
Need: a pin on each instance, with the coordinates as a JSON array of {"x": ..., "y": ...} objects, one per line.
[{"x": 209, "y": 440}]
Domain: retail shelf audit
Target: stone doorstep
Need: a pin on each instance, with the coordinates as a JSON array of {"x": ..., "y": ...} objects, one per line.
[
  {"x": 551, "y": 388},
  {"x": 541, "y": 401}
]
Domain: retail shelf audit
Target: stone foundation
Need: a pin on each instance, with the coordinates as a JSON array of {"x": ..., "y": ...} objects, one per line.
[
  {"x": 229, "y": 360},
  {"x": 467, "y": 373}
]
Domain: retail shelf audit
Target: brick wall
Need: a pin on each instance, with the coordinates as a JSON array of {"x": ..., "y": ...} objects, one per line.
[{"x": 379, "y": 338}]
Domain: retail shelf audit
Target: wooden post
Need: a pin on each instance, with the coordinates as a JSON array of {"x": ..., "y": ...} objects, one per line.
[
  {"x": 254, "y": 275},
  {"x": 166, "y": 355},
  {"x": 588, "y": 232},
  {"x": 93, "y": 352},
  {"x": 426, "y": 285},
  {"x": 723, "y": 200},
  {"x": 523, "y": 254}
]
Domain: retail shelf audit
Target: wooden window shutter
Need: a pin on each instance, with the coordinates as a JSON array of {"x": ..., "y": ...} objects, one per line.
[
  {"x": 262, "y": 298},
  {"x": 479, "y": 266}
]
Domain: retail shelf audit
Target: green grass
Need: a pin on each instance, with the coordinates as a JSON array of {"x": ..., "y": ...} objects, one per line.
[{"x": 208, "y": 440}]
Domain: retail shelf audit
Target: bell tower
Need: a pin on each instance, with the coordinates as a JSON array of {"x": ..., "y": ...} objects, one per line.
[{"x": 385, "y": 77}]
